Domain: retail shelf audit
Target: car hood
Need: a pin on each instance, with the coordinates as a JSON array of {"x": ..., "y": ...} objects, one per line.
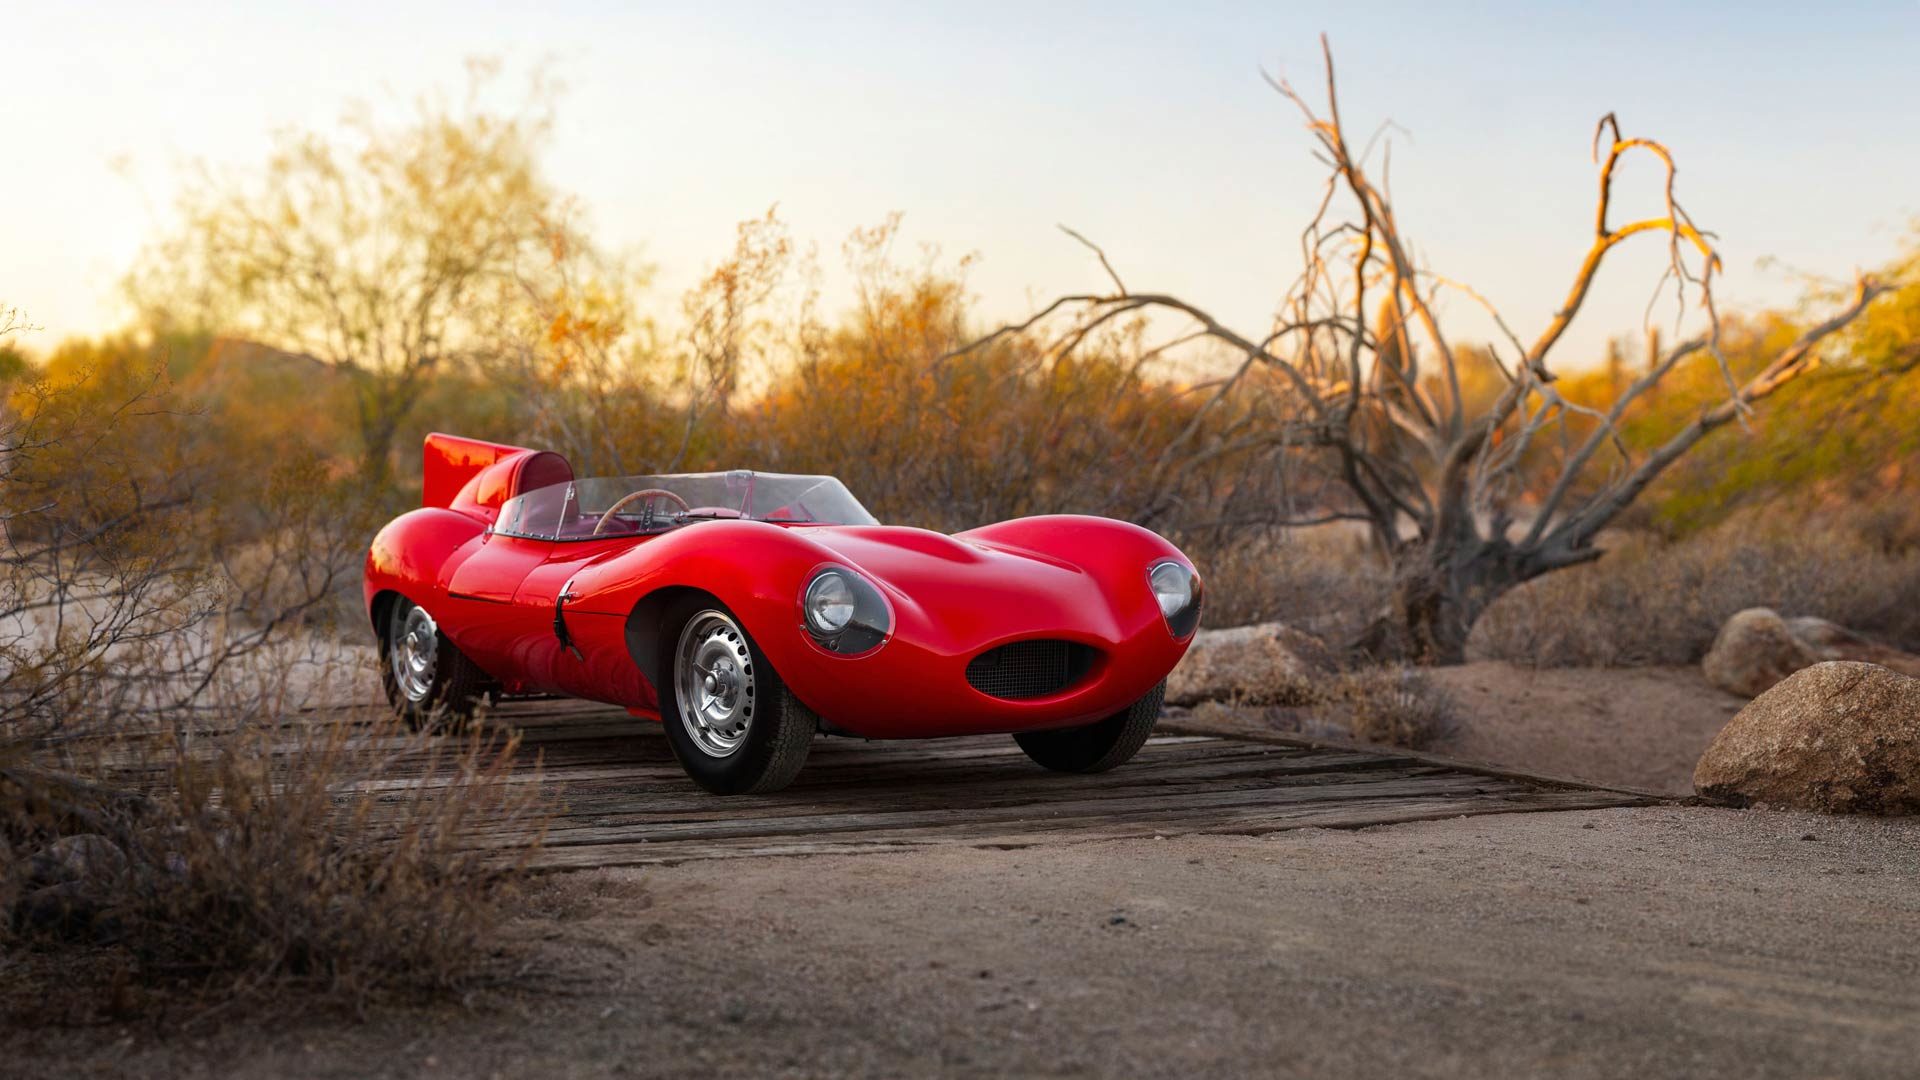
[{"x": 973, "y": 589}]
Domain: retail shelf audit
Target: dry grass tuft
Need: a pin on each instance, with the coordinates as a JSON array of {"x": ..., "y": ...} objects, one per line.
[
  {"x": 1398, "y": 707},
  {"x": 1283, "y": 690},
  {"x": 1387, "y": 706}
]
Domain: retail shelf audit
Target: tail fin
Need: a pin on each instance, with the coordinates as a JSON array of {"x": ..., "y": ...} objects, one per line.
[{"x": 449, "y": 461}]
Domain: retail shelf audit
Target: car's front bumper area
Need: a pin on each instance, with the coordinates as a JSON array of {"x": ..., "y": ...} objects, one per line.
[{"x": 913, "y": 688}]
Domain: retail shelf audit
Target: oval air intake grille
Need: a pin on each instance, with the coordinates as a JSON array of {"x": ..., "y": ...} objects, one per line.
[{"x": 1029, "y": 669}]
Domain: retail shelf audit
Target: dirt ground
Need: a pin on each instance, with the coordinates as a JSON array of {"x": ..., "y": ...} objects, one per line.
[
  {"x": 1636, "y": 727},
  {"x": 1640, "y": 728},
  {"x": 1650, "y": 942}
]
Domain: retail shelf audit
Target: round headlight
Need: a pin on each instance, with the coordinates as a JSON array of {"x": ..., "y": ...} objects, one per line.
[
  {"x": 1172, "y": 586},
  {"x": 829, "y": 603}
]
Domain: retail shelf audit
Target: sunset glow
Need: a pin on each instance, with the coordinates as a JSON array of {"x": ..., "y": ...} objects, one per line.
[{"x": 988, "y": 124}]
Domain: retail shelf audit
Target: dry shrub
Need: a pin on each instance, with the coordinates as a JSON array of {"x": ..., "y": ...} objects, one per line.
[
  {"x": 1387, "y": 706},
  {"x": 1397, "y": 707},
  {"x": 950, "y": 442},
  {"x": 332, "y": 855},
  {"x": 1653, "y": 601},
  {"x": 887, "y": 396},
  {"x": 1282, "y": 689},
  {"x": 169, "y": 817},
  {"x": 1322, "y": 580}
]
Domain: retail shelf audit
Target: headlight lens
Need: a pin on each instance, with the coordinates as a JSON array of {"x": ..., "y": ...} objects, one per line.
[
  {"x": 829, "y": 603},
  {"x": 1178, "y": 592},
  {"x": 844, "y": 613},
  {"x": 1173, "y": 587}
]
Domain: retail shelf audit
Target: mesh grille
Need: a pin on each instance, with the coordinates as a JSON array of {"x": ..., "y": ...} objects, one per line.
[{"x": 1028, "y": 669}]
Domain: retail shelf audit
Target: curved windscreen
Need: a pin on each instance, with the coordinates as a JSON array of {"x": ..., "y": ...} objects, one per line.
[{"x": 636, "y": 505}]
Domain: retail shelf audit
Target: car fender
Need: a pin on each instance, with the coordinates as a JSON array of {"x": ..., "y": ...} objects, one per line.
[
  {"x": 414, "y": 554},
  {"x": 753, "y": 568}
]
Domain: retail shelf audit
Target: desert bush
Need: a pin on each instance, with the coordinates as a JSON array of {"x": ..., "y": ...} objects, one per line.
[
  {"x": 1657, "y": 601},
  {"x": 333, "y": 856},
  {"x": 1322, "y": 580},
  {"x": 1849, "y": 439},
  {"x": 1386, "y": 706},
  {"x": 881, "y": 396},
  {"x": 162, "y": 795},
  {"x": 1397, "y": 706}
]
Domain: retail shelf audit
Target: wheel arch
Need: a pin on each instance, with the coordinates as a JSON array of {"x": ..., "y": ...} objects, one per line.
[
  {"x": 647, "y": 630},
  {"x": 752, "y": 570},
  {"x": 380, "y": 610}
]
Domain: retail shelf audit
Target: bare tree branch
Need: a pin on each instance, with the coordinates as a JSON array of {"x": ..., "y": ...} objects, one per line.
[
  {"x": 1383, "y": 408},
  {"x": 1107, "y": 266}
]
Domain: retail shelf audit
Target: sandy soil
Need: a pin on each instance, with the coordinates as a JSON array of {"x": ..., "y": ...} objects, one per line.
[
  {"x": 1665, "y": 942},
  {"x": 1637, "y": 727},
  {"x": 1641, "y": 728}
]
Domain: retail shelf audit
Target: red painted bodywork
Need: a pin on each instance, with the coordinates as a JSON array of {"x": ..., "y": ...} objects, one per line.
[{"x": 1082, "y": 579}]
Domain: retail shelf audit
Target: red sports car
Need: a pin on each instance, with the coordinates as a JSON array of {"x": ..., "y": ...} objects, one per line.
[{"x": 748, "y": 610}]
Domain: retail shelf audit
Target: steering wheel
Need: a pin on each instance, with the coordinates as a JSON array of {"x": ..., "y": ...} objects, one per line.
[{"x": 641, "y": 494}]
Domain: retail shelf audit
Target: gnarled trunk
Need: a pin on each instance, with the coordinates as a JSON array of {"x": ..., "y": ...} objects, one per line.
[{"x": 1439, "y": 592}]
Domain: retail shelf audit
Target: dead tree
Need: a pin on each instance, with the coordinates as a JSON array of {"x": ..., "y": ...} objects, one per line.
[{"x": 1436, "y": 479}]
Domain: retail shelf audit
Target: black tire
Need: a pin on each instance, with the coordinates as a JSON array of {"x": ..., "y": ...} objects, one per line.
[
  {"x": 1099, "y": 746},
  {"x": 446, "y": 695},
  {"x": 763, "y": 755}
]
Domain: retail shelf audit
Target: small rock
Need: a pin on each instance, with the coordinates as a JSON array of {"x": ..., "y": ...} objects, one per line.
[
  {"x": 1839, "y": 737},
  {"x": 89, "y": 857},
  {"x": 1831, "y": 641},
  {"x": 1754, "y": 650},
  {"x": 1257, "y": 661}
]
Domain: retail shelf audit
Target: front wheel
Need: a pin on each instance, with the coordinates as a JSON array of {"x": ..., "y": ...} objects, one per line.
[
  {"x": 734, "y": 726},
  {"x": 1099, "y": 746},
  {"x": 429, "y": 682}
]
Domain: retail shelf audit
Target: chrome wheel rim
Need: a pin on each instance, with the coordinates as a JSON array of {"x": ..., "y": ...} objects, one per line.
[
  {"x": 713, "y": 683},
  {"x": 416, "y": 649}
]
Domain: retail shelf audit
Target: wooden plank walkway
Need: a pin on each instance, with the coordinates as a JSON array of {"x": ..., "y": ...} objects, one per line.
[{"x": 623, "y": 801}]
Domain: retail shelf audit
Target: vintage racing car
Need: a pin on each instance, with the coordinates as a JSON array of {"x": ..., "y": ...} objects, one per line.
[{"x": 748, "y": 610}]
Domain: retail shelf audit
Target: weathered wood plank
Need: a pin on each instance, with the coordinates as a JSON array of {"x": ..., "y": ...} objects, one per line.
[
  {"x": 613, "y": 804},
  {"x": 1052, "y": 814},
  {"x": 1362, "y": 814},
  {"x": 621, "y": 800},
  {"x": 622, "y": 810}
]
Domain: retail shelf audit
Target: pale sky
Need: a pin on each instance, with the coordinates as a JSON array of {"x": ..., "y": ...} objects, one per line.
[{"x": 1144, "y": 125}]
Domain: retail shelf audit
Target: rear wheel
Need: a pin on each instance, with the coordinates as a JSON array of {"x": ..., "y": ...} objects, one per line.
[
  {"x": 1099, "y": 746},
  {"x": 734, "y": 726},
  {"x": 430, "y": 683}
]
